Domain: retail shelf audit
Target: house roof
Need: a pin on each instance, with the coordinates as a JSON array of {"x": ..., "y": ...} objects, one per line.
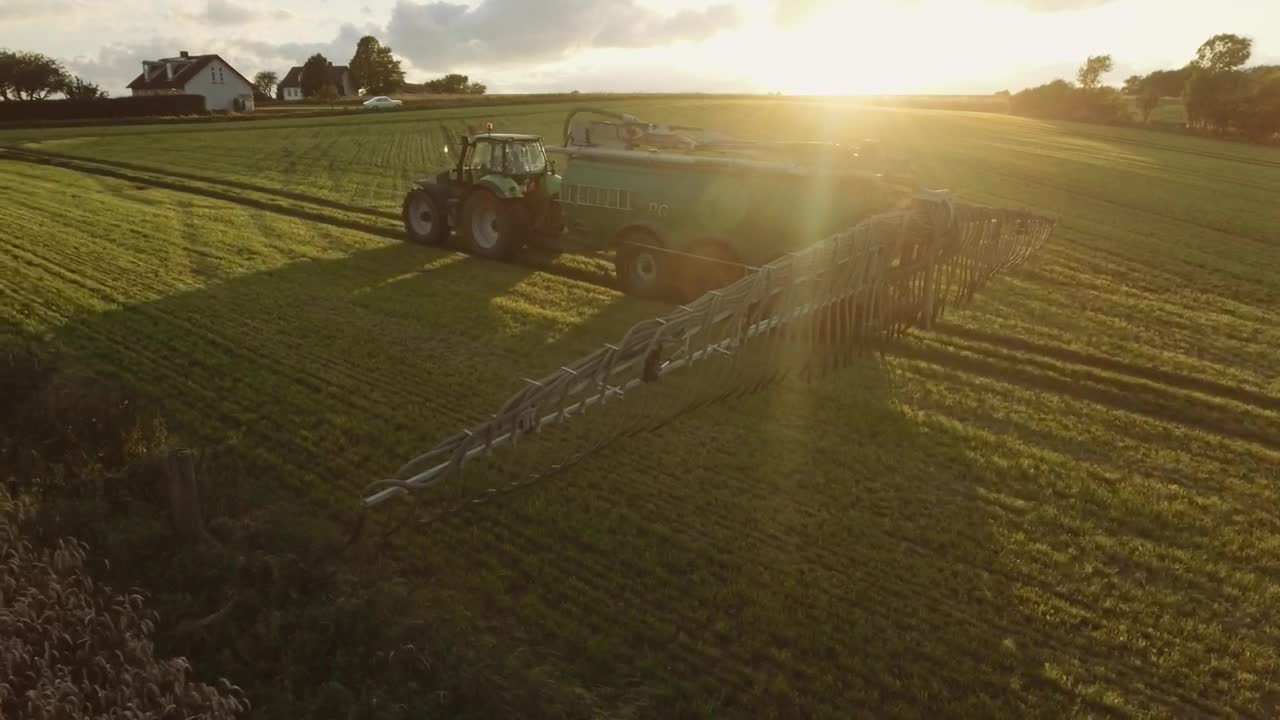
[
  {"x": 294, "y": 77},
  {"x": 180, "y": 79}
]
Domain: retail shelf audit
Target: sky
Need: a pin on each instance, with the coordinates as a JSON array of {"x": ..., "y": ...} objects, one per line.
[{"x": 788, "y": 46}]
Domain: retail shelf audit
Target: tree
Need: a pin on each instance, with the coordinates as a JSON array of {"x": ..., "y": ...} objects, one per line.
[
  {"x": 1169, "y": 83},
  {"x": 328, "y": 93},
  {"x": 81, "y": 89},
  {"x": 1148, "y": 101},
  {"x": 374, "y": 70},
  {"x": 455, "y": 84},
  {"x": 264, "y": 82},
  {"x": 1051, "y": 100},
  {"x": 315, "y": 74},
  {"x": 1061, "y": 100},
  {"x": 1090, "y": 73},
  {"x": 1133, "y": 84},
  {"x": 30, "y": 76},
  {"x": 1224, "y": 51},
  {"x": 1260, "y": 117},
  {"x": 451, "y": 84},
  {"x": 1215, "y": 100}
]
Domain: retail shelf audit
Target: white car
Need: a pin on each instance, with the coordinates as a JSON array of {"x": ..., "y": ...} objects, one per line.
[{"x": 381, "y": 102}]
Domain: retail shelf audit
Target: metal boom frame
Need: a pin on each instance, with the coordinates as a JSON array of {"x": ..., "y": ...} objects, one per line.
[{"x": 805, "y": 313}]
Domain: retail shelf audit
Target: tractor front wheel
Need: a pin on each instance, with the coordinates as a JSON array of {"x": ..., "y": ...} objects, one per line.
[
  {"x": 426, "y": 218},
  {"x": 491, "y": 227}
]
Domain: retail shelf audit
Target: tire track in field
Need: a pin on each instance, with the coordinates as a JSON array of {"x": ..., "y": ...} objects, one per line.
[
  {"x": 1132, "y": 397},
  {"x": 1102, "y": 199},
  {"x": 527, "y": 259},
  {"x": 1149, "y": 373},
  {"x": 223, "y": 182},
  {"x": 1179, "y": 149}
]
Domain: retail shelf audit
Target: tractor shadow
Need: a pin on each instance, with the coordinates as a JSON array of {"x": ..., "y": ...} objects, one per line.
[{"x": 355, "y": 362}]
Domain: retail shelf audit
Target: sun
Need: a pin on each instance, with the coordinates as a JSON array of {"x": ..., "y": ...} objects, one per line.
[
  {"x": 863, "y": 47},
  {"x": 832, "y": 51}
]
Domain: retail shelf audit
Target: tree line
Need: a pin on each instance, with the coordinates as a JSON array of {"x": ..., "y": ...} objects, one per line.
[
  {"x": 33, "y": 76},
  {"x": 1220, "y": 95},
  {"x": 375, "y": 70}
]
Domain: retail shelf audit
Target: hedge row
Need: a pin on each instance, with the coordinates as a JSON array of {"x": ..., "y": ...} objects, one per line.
[{"x": 125, "y": 107}]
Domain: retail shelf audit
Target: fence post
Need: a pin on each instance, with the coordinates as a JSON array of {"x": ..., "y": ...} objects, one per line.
[
  {"x": 184, "y": 496},
  {"x": 927, "y": 320}
]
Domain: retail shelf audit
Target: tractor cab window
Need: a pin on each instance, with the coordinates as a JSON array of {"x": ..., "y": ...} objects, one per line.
[
  {"x": 526, "y": 158},
  {"x": 482, "y": 156}
]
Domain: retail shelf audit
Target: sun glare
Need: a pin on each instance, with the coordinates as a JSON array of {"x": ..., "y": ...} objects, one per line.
[{"x": 874, "y": 47}]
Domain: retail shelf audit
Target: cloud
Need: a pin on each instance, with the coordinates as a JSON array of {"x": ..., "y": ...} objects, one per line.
[
  {"x": 226, "y": 12},
  {"x": 1051, "y": 6},
  {"x": 229, "y": 13},
  {"x": 24, "y": 10},
  {"x": 431, "y": 38},
  {"x": 338, "y": 50},
  {"x": 441, "y": 35},
  {"x": 788, "y": 13},
  {"x": 641, "y": 77},
  {"x": 115, "y": 65}
]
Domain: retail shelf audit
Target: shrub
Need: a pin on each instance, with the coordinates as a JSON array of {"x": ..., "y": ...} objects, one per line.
[
  {"x": 1260, "y": 114},
  {"x": 125, "y": 107},
  {"x": 73, "y": 649},
  {"x": 1060, "y": 100}
]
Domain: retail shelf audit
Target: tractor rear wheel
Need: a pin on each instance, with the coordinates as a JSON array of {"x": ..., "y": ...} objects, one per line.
[
  {"x": 426, "y": 217},
  {"x": 491, "y": 227},
  {"x": 710, "y": 265},
  {"x": 641, "y": 266}
]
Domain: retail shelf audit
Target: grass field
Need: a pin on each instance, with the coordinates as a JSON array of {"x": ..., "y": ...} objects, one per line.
[{"x": 1061, "y": 502}]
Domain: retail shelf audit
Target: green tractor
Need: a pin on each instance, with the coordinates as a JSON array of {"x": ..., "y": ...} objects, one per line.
[
  {"x": 683, "y": 209},
  {"x": 499, "y": 195}
]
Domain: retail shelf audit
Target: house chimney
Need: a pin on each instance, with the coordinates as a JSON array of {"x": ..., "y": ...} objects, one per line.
[{"x": 184, "y": 54}]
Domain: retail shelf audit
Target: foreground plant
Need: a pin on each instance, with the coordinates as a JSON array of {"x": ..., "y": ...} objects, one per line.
[{"x": 70, "y": 648}]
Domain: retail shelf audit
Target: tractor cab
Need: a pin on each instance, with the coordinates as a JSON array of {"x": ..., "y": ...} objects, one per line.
[{"x": 504, "y": 154}]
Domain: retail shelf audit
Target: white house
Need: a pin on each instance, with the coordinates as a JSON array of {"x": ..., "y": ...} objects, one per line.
[
  {"x": 339, "y": 76},
  {"x": 209, "y": 75}
]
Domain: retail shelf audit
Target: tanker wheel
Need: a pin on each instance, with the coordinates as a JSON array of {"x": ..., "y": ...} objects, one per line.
[
  {"x": 641, "y": 265},
  {"x": 426, "y": 218},
  {"x": 710, "y": 265},
  {"x": 491, "y": 227}
]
